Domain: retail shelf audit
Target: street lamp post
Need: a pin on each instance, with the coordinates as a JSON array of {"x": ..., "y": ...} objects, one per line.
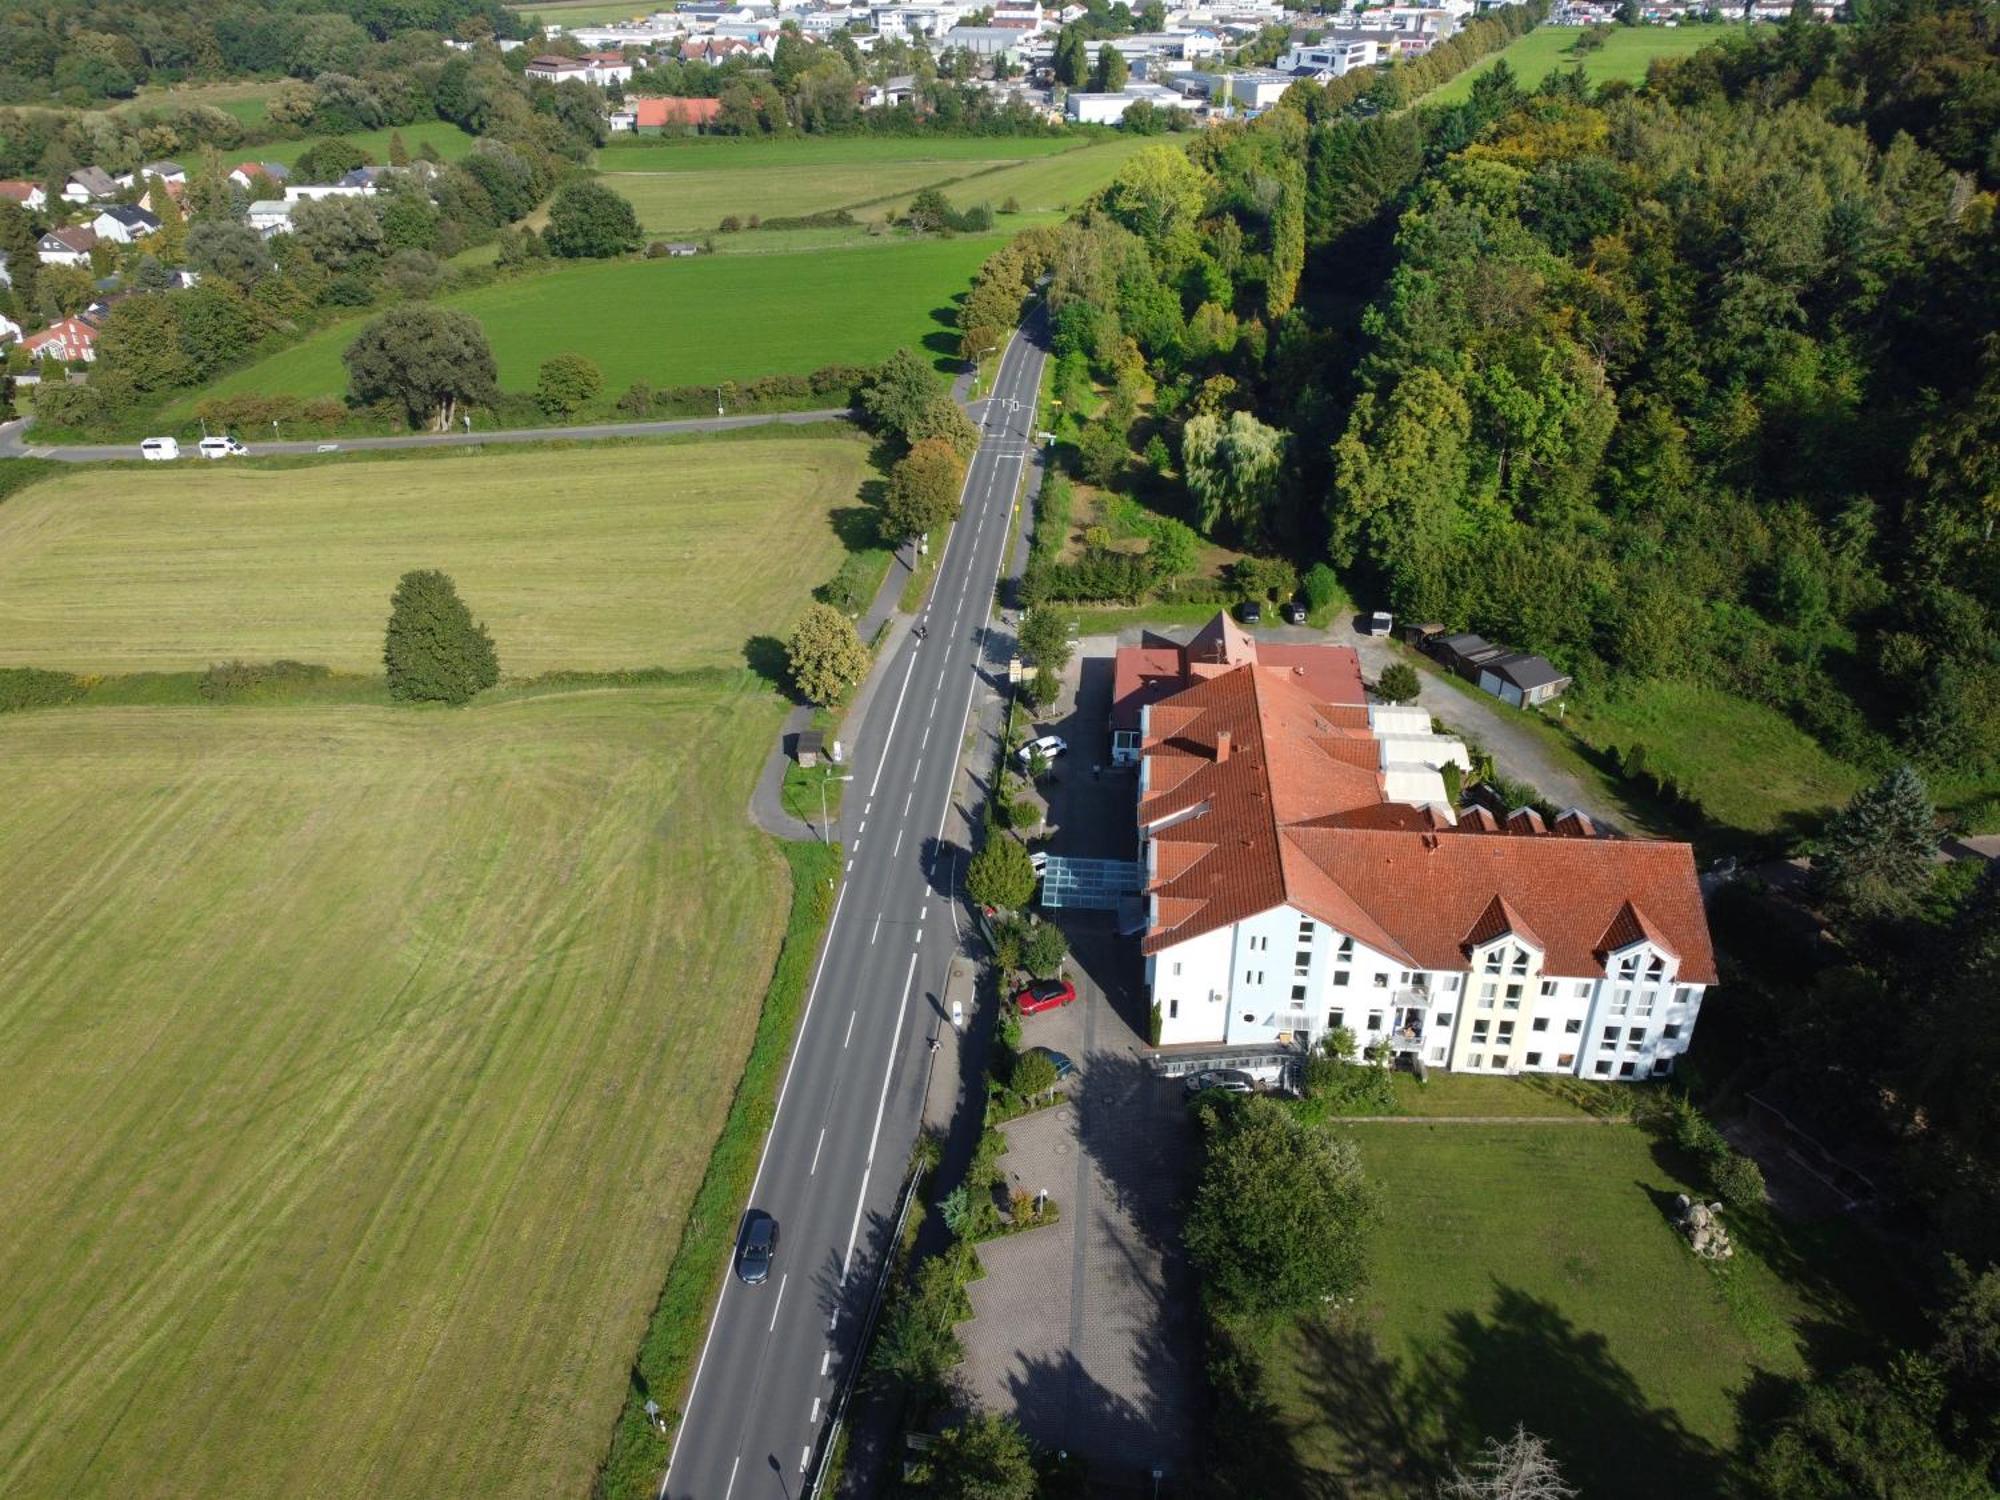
[
  {"x": 825, "y": 822},
  {"x": 975, "y": 367},
  {"x": 718, "y": 401}
]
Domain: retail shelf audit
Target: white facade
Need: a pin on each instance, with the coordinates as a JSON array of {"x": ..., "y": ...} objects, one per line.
[
  {"x": 1109, "y": 109},
  {"x": 1283, "y": 977},
  {"x": 1335, "y": 55}
]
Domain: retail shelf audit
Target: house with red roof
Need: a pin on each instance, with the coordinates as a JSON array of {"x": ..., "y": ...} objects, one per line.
[
  {"x": 657, "y": 114},
  {"x": 70, "y": 339},
  {"x": 30, "y": 195},
  {"x": 1303, "y": 869}
]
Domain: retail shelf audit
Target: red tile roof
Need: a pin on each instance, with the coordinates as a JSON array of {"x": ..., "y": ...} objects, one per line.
[
  {"x": 656, "y": 112},
  {"x": 1292, "y": 813},
  {"x": 1157, "y": 668}
]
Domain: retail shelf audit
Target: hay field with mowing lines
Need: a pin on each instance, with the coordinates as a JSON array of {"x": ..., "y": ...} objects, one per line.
[
  {"x": 593, "y": 558},
  {"x": 360, "y": 1066},
  {"x": 1626, "y": 52},
  {"x": 696, "y": 202},
  {"x": 1052, "y": 184},
  {"x": 680, "y": 322}
]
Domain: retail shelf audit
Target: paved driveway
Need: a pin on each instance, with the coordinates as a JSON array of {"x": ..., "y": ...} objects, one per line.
[{"x": 1084, "y": 1330}]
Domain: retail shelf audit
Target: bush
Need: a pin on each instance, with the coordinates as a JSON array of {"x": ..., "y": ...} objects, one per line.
[
  {"x": 1399, "y": 683},
  {"x": 566, "y": 384},
  {"x": 1045, "y": 950},
  {"x": 34, "y": 687},
  {"x": 1693, "y": 1133},
  {"x": 236, "y": 681},
  {"x": 1320, "y": 587},
  {"x": 1739, "y": 1181}
]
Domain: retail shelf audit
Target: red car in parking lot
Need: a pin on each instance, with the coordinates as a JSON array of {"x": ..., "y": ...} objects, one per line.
[{"x": 1045, "y": 994}]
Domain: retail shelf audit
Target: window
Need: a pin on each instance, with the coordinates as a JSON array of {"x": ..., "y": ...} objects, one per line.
[
  {"x": 1534, "y": 1059},
  {"x": 1657, "y": 969},
  {"x": 1541, "y": 1023},
  {"x": 1625, "y": 1070},
  {"x": 1476, "y": 1060},
  {"x": 1603, "y": 1069},
  {"x": 1582, "y": 988},
  {"x": 1487, "y": 991},
  {"x": 1346, "y": 949},
  {"x": 1374, "y": 1020},
  {"x": 1305, "y": 929},
  {"x": 1479, "y": 1031},
  {"x": 1494, "y": 962},
  {"x": 1645, "y": 1007},
  {"x": 1420, "y": 980},
  {"x": 1335, "y": 1018},
  {"x": 1381, "y": 981},
  {"x": 1304, "y": 959},
  {"x": 1662, "y": 1066},
  {"x": 1177, "y": 966},
  {"x": 1670, "y": 1032},
  {"x": 1500, "y": 1061},
  {"x": 1520, "y": 961},
  {"x": 1451, "y": 985},
  {"x": 1572, "y": 1026},
  {"x": 1299, "y": 993},
  {"x": 1506, "y": 1031},
  {"x": 1173, "y": 1010},
  {"x": 1565, "y": 1059},
  {"x": 1634, "y": 1039},
  {"x": 1611, "y": 1036},
  {"x": 1437, "y": 1054},
  {"x": 1621, "y": 1000},
  {"x": 1684, "y": 996},
  {"x": 1548, "y": 988},
  {"x": 1340, "y": 976},
  {"x": 1443, "y": 1018}
]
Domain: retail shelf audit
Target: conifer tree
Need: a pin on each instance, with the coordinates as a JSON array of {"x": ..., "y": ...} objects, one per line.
[{"x": 1875, "y": 856}]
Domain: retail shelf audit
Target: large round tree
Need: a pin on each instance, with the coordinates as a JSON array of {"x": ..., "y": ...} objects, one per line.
[
  {"x": 429, "y": 360},
  {"x": 589, "y": 221},
  {"x": 435, "y": 653}
]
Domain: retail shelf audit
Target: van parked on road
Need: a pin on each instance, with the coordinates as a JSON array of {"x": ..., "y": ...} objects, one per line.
[
  {"x": 161, "y": 448},
  {"x": 221, "y": 447}
]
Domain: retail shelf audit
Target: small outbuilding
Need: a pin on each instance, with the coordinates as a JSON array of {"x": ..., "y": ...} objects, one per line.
[
  {"x": 810, "y": 748},
  {"x": 1522, "y": 679}
]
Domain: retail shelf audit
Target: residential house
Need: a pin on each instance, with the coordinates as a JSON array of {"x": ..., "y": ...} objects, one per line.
[
  {"x": 659, "y": 114},
  {"x": 30, "y": 195},
  {"x": 301, "y": 192},
  {"x": 553, "y": 69},
  {"x": 9, "y": 330},
  {"x": 270, "y": 216},
  {"x": 1522, "y": 679},
  {"x": 71, "y": 339},
  {"x": 89, "y": 185},
  {"x": 1337, "y": 55},
  {"x": 172, "y": 173},
  {"x": 245, "y": 174},
  {"x": 1299, "y": 879},
  {"x": 66, "y": 247},
  {"x": 1463, "y": 652},
  {"x": 607, "y": 68},
  {"x": 122, "y": 224}
]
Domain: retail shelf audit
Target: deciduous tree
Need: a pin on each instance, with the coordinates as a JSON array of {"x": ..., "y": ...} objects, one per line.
[
  {"x": 429, "y": 360},
  {"x": 1000, "y": 875},
  {"x": 566, "y": 384},
  {"x": 923, "y": 489},
  {"x": 589, "y": 221},
  {"x": 825, "y": 654},
  {"x": 435, "y": 653}
]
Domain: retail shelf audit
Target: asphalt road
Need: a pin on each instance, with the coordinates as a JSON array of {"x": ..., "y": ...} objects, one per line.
[
  {"x": 14, "y": 443},
  {"x": 850, "y": 1104}
]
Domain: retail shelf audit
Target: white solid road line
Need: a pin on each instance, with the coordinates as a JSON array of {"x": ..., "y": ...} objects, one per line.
[
  {"x": 899, "y": 844},
  {"x": 825, "y": 1361},
  {"x": 850, "y": 1029},
  {"x": 763, "y": 1156},
  {"x": 779, "y": 1303},
  {"x": 876, "y": 930},
  {"x": 732, "y": 1468},
  {"x": 881, "y": 1104},
  {"x": 813, "y": 1170},
  {"x": 814, "y": 1418}
]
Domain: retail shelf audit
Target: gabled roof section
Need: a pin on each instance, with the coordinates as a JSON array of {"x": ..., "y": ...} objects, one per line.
[
  {"x": 1501, "y": 920},
  {"x": 1220, "y": 645},
  {"x": 1629, "y": 926}
]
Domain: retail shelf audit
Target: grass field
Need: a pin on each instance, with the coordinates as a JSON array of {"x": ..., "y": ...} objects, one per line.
[
  {"x": 1749, "y": 766},
  {"x": 1626, "y": 52},
  {"x": 360, "y": 1067},
  {"x": 588, "y": 13},
  {"x": 597, "y": 557},
  {"x": 685, "y": 322},
  {"x": 248, "y": 102},
  {"x": 1527, "y": 1273},
  {"x": 692, "y": 186},
  {"x": 450, "y": 141}
]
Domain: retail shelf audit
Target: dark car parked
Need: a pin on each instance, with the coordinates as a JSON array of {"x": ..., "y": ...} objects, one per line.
[
  {"x": 758, "y": 1248},
  {"x": 1249, "y": 611},
  {"x": 1293, "y": 611}
]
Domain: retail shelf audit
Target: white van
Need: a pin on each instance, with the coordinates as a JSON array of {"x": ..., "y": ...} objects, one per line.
[
  {"x": 221, "y": 447},
  {"x": 160, "y": 448}
]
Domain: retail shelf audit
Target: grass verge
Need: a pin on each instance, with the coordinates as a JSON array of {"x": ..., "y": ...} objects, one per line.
[{"x": 631, "y": 1469}]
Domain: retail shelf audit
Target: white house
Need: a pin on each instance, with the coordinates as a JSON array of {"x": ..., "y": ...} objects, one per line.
[
  {"x": 1337, "y": 55},
  {"x": 89, "y": 185},
  {"x": 551, "y": 68},
  {"x": 245, "y": 174},
  {"x": 9, "y": 330},
  {"x": 1299, "y": 876},
  {"x": 30, "y": 195},
  {"x": 270, "y": 216},
  {"x": 342, "y": 189},
  {"x": 65, "y": 247},
  {"x": 123, "y": 224}
]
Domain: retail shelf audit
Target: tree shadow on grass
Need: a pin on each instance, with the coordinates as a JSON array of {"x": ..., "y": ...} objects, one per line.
[
  {"x": 945, "y": 341},
  {"x": 1522, "y": 1361},
  {"x": 859, "y": 526},
  {"x": 765, "y": 655}
]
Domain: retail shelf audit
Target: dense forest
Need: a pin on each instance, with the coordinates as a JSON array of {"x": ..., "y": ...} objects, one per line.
[{"x": 85, "y": 51}]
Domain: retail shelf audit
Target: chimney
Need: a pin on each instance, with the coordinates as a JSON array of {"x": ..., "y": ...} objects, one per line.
[{"x": 1222, "y": 747}]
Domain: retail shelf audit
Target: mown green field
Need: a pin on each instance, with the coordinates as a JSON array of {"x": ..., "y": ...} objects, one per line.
[
  {"x": 450, "y": 141},
  {"x": 1527, "y": 1274},
  {"x": 248, "y": 102},
  {"x": 595, "y": 558},
  {"x": 683, "y": 322},
  {"x": 360, "y": 1065},
  {"x": 1626, "y": 52},
  {"x": 588, "y": 14},
  {"x": 1749, "y": 766},
  {"x": 692, "y": 187}
]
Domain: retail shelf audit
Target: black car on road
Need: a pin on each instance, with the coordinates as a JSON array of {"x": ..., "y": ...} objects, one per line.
[{"x": 759, "y": 1247}]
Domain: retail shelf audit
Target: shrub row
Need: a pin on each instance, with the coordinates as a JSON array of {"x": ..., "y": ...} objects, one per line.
[
  {"x": 1734, "y": 1177},
  {"x": 34, "y": 687}
]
